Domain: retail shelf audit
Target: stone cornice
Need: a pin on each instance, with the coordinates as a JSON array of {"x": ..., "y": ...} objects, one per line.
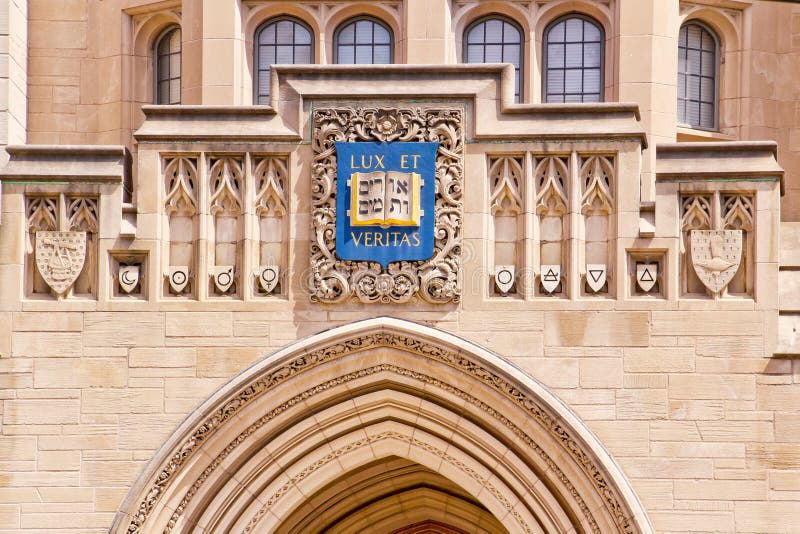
[
  {"x": 738, "y": 160},
  {"x": 67, "y": 163}
]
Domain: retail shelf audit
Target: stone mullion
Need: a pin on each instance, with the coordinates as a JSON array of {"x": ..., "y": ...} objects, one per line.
[
  {"x": 205, "y": 245},
  {"x": 530, "y": 238},
  {"x": 574, "y": 233},
  {"x": 248, "y": 215}
]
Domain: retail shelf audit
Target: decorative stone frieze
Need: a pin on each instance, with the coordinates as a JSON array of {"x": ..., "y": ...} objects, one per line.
[{"x": 435, "y": 280}]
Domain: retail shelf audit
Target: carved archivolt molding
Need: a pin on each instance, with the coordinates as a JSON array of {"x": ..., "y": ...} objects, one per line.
[
  {"x": 336, "y": 349},
  {"x": 435, "y": 280},
  {"x": 366, "y": 442}
]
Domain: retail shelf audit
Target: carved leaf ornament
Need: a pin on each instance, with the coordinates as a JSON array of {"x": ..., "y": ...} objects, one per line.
[{"x": 434, "y": 280}]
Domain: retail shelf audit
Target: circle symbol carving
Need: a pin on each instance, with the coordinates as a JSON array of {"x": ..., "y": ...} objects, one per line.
[
  {"x": 224, "y": 278},
  {"x": 268, "y": 275},
  {"x": 178, "y": 277},
  {"x": 504, "y": 276}
]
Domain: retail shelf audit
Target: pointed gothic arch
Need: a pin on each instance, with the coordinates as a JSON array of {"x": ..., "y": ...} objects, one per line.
[{"x": 379, "y": 419}]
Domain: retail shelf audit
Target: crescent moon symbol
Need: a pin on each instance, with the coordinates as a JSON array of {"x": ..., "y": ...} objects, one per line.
[{"x": 125, "y": 279}]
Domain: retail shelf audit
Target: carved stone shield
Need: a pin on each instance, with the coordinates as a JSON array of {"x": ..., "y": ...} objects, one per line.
[
  {"x": 128, "y": 277},
  {"x": 60, "y": 257},
  {"x": 268, "y": 276},
  {"x": 223, "y": 277},
  {"x": 551, "y": 276},
  {"x": 178, "y": 277},
  {"x": 646, "y": 276},
  {"x": 596, "y": 276},
  {"x": 716, "y": 255},
  {"x": 504, "y": 277}
]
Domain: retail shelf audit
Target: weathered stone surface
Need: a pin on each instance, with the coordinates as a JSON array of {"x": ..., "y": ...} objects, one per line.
[
  {"x": 115, "y": 329},
  {"x": 596, "y": 329}
]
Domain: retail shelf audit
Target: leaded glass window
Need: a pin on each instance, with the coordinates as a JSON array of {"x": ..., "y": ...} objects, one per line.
[
  {"x": 363, "y": 41},
  {"x": 168, "y": 67},
  {"x": 697, "y": 76},
  {"x": 284, "y": 41},
  {"x": 496, "y": 40},
  {"x": 573, "y": 55}
]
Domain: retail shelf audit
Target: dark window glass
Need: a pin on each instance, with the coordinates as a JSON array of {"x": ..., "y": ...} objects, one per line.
[
  {"x": 697, "y": 76},
  {"x": 573, "y": 56},
  {"x": 168, "y": 67},
  {"x": 280, "y": 41},
  {"x": 495, "y": 40},
  {"x": 363, "y": 41}
]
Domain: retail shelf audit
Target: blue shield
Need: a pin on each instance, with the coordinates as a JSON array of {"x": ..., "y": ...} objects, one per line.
[{"x": 385, "y": 201}]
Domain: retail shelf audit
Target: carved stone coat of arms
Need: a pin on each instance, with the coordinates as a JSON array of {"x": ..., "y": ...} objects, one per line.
[
  {"x": 60, "y": 257},
  {"x": 716, "y": 255},
  {"x": 338, "y": 277}
]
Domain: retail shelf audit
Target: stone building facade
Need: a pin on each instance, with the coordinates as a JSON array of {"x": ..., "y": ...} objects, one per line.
[{"x": 231, "y": 301}]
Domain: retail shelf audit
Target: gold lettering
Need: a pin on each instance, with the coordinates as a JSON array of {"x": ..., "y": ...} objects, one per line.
[
  {"x": 404, "y": 161},
  {"x": 415, "y": 235},
  {"x": 379, "y": 161},
  {"x": 416, "y": 157},
  {"x": 378, "y": 239},
  {"x": 366, "y": 163},
  {"x": 394, "y": 235},
  {"x": 405, "y": 240},
  {"x": 356, "y": 239},
  {"x": 353, "y": 162},
  {"x": 367, "y": 239}
]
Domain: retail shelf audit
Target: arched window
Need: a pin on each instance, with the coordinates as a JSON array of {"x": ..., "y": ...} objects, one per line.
[
  {"x": 697, "y": 76},
  {"x": 573, "y": 59},
  {"x": 167, "y": 54},
  {"x": 363, "y": 41},
  {"x": 495, "y": 39},
  {"x": 279, "y": 41}
]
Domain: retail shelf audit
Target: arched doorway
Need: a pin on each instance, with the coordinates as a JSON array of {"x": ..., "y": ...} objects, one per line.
[{"x": 382, "y": 426}]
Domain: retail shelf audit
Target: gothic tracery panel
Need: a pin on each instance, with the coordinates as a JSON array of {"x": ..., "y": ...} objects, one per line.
[
  {"x": 552, "y": 208},
  {"x": 271, "y": 208},
  {"x": 597, "y": 205},
  {"x": 181, "y": 182},
  {"x": 738, "y": 214},
  {"x": 506, "y": 206},
  {"x": 226, "y": 181}
]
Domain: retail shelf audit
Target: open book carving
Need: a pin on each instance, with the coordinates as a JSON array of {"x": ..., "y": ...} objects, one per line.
[{"x": 384, "y": 198}]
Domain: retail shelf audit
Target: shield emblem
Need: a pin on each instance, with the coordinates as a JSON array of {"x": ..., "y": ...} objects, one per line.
[
  {"x": 550, "y": 277},
  {"x": 504, "y": 278},
  {"x": 268, "y": 277},
  {"x": 223, "y": 277},
  {"x": 128, "y": 277},
  {"x": 646, "y": 276},
  {"x": 178, "y": 278},
  {"x": 595, "y": 276},
  {"x": 716, "y": 255},
  {"x": 60, "y": 257}
]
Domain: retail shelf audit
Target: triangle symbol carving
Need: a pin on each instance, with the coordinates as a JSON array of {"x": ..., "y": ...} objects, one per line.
[
  {"x": 595, "y": 274},
  {"x": 647, "y": 276},
  {"x": 550, "y": 276}
]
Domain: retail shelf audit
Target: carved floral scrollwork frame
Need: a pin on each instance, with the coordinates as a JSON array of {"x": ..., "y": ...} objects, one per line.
[{"x": 435, "y": 280}]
